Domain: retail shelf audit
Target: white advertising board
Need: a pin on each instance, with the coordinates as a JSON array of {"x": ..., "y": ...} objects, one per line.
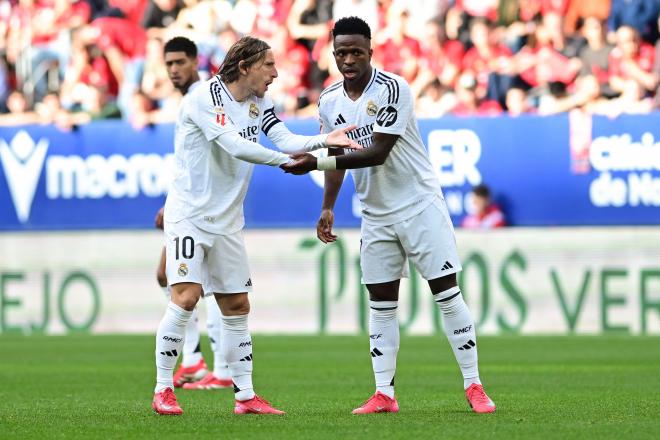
[{"x": 517, "y": 280}]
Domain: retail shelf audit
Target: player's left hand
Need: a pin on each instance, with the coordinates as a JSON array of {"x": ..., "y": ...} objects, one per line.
[
  {"x": 324, "y": 227},
  {"x": 302, "y": 163},
  {"x": 158, "y": 221},
  {"x": 339, "y": 139}
]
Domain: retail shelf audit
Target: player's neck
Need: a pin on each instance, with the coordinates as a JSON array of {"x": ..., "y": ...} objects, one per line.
[
  {"x": 193, "y": 79},
  {"x": 239, "y": 91},
  {"x": 355, "y": 87}
]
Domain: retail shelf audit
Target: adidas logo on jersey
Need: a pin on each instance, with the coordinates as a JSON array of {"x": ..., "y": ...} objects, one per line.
[{"x": 340, "y": 120}]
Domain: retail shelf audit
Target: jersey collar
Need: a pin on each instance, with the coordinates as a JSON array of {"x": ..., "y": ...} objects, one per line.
[{"x": 371, "y": 81}]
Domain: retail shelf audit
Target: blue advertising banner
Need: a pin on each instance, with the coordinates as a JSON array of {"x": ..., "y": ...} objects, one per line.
[{"x": 559, "y": 170}]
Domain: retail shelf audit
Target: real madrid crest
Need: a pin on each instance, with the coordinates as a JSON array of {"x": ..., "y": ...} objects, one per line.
[
  {"x": 183, "y": 269},
  {"x": 372, "y": 108},
  {"x": 254, "y": 110}
]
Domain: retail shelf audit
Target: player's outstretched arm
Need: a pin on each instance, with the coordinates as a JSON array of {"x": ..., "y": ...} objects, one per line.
[
  {"x": 249, "y": 151},
  {"x": 333, "y": 182},
  {"x": 290, "y": 143},
  {"x": 366, "y": 157}
]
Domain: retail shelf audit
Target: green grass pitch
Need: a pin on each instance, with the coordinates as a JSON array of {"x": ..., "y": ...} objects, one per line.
[{"x": 545, "y": 387}]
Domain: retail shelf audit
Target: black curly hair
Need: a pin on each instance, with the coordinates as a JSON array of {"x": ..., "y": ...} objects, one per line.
[{"x": 351, "y": 26}]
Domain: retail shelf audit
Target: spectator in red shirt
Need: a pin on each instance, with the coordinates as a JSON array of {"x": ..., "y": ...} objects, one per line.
[
  {"x": 398, "y": 53},
  {"x": 123, "y": 43},
  {"x": 467, "y": 101},
  {"x": 486, "y": 214},
  {"x": 631, "y": 62},
  {"x": 539, "y": 63},
  {"x": 440, "y": 58},
  {"x": 488, "y": 61}
]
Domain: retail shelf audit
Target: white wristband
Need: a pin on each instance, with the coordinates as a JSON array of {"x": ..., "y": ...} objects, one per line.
[{"x": 326, "y": 163}]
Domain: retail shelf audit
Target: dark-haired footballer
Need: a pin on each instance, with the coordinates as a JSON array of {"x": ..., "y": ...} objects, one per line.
[{"x": 403, "y": 210}]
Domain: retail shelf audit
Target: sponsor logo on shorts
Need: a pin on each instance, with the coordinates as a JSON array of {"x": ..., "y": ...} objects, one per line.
[
  {"x": 460, "y": 331},
  {"x": 245, "y": 344},
  {"x": 183, "y": 269},
  {"x": 378, "y": 336},
  {"x": 169, "y": 338},
  {"x": 249, "y": 283}
]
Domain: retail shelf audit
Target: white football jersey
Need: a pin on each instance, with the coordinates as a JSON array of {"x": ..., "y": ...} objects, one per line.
[
  {"x": 406, "y": 183},
  {"x": 209, "y": 184}
]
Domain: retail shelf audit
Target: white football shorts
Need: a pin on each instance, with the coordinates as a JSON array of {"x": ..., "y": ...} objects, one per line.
[
  {"x": 217, "y": 262},
  {"x": 428, "y": 239}
]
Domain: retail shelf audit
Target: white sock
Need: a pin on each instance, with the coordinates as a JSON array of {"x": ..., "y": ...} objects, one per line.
[
  {"x": 214, "y": 327},
  {"x": 459, "y": 328},
  {"x": 237, "y": 347},
  {"x": 169, "y": 342},
  {"x": 384, "y": 343},
  {"x": 192, "y": 352}
]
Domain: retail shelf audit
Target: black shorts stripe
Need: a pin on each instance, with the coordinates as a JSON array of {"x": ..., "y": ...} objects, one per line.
[
  {"x": 448, "y": 298},
  {"x": 384, "y": 308}
]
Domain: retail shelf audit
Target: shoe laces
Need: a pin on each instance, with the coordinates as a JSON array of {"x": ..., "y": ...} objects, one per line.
[
  {"x": 207, "y": 379},
  {"x": 168, "y": 397},
  {"x": 260, "y": 400},
  {"x": 478, "y": 394},
  {"x": 375, "y": 397}
]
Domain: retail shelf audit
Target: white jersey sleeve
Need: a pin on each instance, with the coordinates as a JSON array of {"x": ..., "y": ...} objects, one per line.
[
  {"x": 208, "y": 113},
  {"x": 283, "y": 139},
  {"x": 395, "y": 106},
  {"x": 249, "y": 151}
]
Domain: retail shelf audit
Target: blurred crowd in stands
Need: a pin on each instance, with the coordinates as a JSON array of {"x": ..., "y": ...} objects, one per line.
[{"x": 72, "y": 61}]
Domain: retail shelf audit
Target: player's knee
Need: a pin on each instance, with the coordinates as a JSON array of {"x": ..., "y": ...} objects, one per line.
[
  {"x": 186, "y": 295},
  {"x": 234, "y": 305},
  {"x": 384, "y": 291},
  {"x": 441, "y": 284}
]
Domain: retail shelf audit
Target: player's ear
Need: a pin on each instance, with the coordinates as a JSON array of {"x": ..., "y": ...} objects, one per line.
[{"x": 242, "y": 68}]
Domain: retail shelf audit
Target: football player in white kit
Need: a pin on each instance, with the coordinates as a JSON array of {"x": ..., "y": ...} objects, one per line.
[
  {"x": 403, "y": 210},
  {"x": 180, "y": 57},
  {"x": 216, "y": 137}
]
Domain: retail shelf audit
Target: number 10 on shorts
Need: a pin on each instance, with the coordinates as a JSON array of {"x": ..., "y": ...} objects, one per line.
[{"x": 187, "y": 247}]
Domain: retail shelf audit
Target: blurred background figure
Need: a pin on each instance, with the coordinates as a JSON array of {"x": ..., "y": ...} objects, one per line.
[
  {"x": 597, "y": 56},
  {"x": 486, "y": 214}
]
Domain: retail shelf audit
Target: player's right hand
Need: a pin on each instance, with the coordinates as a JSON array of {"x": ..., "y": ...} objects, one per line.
[
  {"x": 324, "y": 226},
  {"x": 158, "y": 221},
  {"x": 338, "y": 138}
]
